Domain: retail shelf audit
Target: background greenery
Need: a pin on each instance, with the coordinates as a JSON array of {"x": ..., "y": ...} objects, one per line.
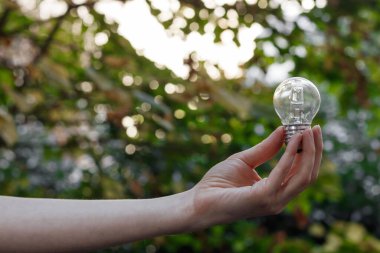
[{"x": 102, "y": 122}]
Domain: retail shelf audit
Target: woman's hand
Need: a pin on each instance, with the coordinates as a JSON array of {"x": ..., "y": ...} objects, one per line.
[{"x": 233, "y": 189}]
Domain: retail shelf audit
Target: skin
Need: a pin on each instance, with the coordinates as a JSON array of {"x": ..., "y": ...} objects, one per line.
[{"x": 229, "y": 191}]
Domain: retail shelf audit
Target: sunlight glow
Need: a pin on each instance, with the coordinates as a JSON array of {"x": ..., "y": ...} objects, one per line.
[
  {"x": 156, "y": 45},
  {"x": 46, "y": 10},
  {"x": 168, "y": 48},
  {"x": 130, "y": 149},
  {"x": 132, "y": 132}
]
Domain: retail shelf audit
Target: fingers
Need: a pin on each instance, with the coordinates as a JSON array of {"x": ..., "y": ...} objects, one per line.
[
  {"x": 318, "y": 155},
  {"x": 263, "y": 151},
  {"x": 295, "y": 171},
  {"x": 278, "y": 174},
  {"x": 302, "y": 178},
  {"x": 317, "y": 132}
]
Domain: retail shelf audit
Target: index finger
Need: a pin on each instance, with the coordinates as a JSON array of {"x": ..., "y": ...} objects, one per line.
[
  {"x": 302, "y": 179},
  {"x": 263, "y": 151},
  {"x": 278, "y": 174}
]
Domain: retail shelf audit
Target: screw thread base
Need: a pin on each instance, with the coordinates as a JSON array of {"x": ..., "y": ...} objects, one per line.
[{"x": 291, "y": 130}]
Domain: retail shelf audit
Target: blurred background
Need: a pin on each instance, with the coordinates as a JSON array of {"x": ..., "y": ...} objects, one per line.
[{"x": 138, "y": 99}]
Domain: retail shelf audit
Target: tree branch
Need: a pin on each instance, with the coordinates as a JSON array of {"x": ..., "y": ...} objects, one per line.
[
  {"x": 46, "y": 44},
  {"x": 3, "y": 19}
]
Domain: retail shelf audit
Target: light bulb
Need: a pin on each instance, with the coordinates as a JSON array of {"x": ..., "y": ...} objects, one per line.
[{"x": 296, "y": 101}]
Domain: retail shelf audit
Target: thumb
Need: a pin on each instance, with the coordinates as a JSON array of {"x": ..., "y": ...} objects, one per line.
[{"x": 263, "y": 151}]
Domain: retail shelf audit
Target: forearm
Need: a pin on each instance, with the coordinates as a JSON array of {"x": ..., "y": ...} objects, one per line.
[{"x": 52, "y": 225}]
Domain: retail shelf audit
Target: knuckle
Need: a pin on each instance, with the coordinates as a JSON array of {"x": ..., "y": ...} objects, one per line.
[
  {"x": 272, "y": 209},
  {"x": 274, "y": 206},
  {"x": 277, "y": 209},
  {"x": 268, "y": 205},
  {"x": 237, "y": 161},
  {"x": 305, "y": 182},
  {"x": 234, "y": 156},
  {"x": 280, "y": 209}
]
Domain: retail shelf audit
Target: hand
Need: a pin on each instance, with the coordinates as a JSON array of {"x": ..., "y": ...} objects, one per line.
[
  {"x": 233, "y": 189},
  {"x": 229, "y": 191}
]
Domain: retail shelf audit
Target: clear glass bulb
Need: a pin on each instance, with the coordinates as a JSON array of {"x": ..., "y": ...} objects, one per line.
[{"x": 296, "y": 101}]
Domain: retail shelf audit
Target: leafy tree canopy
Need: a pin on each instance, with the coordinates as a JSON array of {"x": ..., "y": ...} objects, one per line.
[{"x": 87, "y": 112}]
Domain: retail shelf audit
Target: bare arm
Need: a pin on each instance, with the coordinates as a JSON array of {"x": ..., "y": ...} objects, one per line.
[
  {"x": 54, "y": 225},
  {"x": 229, "y": 191}
]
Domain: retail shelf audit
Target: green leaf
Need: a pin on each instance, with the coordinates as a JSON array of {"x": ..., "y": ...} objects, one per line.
[{"x": 8, "y": 130}]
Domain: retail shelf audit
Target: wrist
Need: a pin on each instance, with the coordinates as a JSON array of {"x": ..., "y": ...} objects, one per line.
[
  {"x": 186, "y": 211},
  {"x": 179, "y": 210},
  {"x": 189, "y": 217},
  {"x": 189, "y": 212},
  {"x": 201, "y": 210}
]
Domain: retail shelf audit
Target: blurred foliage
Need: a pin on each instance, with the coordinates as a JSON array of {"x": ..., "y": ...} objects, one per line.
[{"x": 83, "y": 120}]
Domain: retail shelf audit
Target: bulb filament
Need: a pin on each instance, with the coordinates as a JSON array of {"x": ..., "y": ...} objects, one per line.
[{"x": 296, "y": 105}]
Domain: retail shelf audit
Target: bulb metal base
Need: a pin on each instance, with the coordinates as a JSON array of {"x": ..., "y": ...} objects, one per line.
[{"x": 291, "y": 130}]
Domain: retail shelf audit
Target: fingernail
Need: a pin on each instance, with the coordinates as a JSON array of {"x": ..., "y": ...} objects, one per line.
[
  {"x": 307, "y": 131},
  {"x": 311, "y": 132}
]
